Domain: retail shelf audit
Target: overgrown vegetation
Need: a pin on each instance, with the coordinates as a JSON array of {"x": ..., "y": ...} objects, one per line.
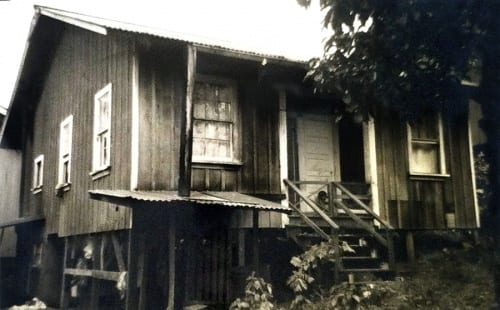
[
  {"x": 317, "y": 260},
  {"x": 258, "y": 295},
  {"x": 483, "y": 190},
  {"x": 456, "y": 276},
  {"x": 410, "y": 57}
]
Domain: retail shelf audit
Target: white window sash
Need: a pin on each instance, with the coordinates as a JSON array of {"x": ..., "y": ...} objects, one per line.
[
  {"x": 102, "y": 130},
  {"x": 65, "y": 145},
  {"x": 38, "y": 172},
  {"x": 438, "y": 143},
  {"x": 227, "y": 141}
]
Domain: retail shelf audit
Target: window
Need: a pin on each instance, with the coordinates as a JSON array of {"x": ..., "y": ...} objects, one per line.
[
  {"x": 426, "y": 147},
  {"x": 38, "y": 174},
  {"x": 214, "y": 123},
  {"x": 65, "y": 140},
  {"x": 102, "y": 128}
]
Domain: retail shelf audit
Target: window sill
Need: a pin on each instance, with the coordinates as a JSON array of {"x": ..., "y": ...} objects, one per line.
[
  {"x": 61, "y": 188},
  {"x": 37, "y": 190},
  {"x": 100, "y": 173},
  {"x": 200, "y": 163},
  {"x": 429, "y": 176}
]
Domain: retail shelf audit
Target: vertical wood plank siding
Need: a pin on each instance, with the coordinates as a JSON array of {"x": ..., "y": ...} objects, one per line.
[
  {"x": 160, "y": 96},
  {"x": 83, "y": 63},
  {"x": 259, "y": 173},
  {"x": 423, "y": 204},
  {"x": 460, "y": 170}
]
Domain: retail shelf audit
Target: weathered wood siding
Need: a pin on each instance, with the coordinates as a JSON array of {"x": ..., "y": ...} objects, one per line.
[
  {"x": 410, "y": 202},
  {"x": 392, "y": 166},
  {"x": 10, "y": 189},
  {"x": 83, "y": 63},
  {"x": 161, "y": 89},
  {"x": 460, "y": 169}
]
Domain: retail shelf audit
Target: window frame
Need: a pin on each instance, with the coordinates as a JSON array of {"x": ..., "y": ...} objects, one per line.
[
  {"x": 38, "y": 165},
  {"x": 65, "y": 156},
  {"x": 442, "y": 172},
  {"x": 97, "y": 148},
  {"x": 235, "y": 146}
]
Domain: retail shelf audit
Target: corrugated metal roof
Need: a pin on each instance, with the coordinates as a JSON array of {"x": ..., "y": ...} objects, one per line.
[
  {"x": 100, "y": 25},
  {"x": 225, "y": 199},
  {"x": 22, "y": 220}
]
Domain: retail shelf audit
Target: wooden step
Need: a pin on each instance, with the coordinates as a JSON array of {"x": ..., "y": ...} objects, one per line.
[
  {"x": 367, "y": 270},
  {"x": 360, "y": 262}
]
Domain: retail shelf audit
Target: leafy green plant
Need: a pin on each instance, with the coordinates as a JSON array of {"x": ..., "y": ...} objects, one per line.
[
  {"x": 258, "y": 295},
  {"x": 304, "y": 275}
]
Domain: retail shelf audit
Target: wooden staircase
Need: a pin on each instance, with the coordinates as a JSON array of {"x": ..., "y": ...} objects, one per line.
[{"x": 340, "y": 212}]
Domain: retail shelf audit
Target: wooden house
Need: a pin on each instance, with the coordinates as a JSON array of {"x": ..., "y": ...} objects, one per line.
[{"x": 152, "y": 164}]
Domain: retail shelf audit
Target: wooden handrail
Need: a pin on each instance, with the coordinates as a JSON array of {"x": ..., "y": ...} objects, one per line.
[
  {"x": 311, "y": 204},
  {"x": 363, "y": 205},
  {"x": 311, "y": 223},
  {"x": 363, "y": 224}
]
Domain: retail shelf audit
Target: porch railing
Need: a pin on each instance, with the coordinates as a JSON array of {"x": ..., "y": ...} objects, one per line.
[
  {"x": 336, "y": 195},
  {"x": 317, "y": 209}
]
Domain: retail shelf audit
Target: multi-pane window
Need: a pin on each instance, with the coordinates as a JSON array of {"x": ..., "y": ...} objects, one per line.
[
  {"x": 426, "y": 146},
  {"x": 38, "y": 173},
  {"x": 65, "y": 140},
  {"x": 214, "y": 124},
  {"x": 102, "y": 128}
]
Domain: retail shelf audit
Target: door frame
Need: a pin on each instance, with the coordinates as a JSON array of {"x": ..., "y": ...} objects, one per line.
[{"x": 369, "y": 152}]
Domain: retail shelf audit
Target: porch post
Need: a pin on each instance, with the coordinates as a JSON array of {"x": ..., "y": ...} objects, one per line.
[
  {"x": 255, "y": 241},
  {"x": 63, "y": 297},
  {"x": 171, "y": 262},
  {"x": 370, "y": 157},
  {"x": 133, "y": 258},
  {"x": 283, "y": 149},
  {"x": 186, "y": 148}
]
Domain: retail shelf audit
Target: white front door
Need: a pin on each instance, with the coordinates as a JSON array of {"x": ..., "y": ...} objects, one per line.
[{"x": 317, "y": 138}]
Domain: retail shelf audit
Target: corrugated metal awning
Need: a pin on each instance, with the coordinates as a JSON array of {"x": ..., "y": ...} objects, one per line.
[
  {"x": 100, "y": 25},
  {"x": 167, "y": 198},
  {"x": 22, "y": 220}
]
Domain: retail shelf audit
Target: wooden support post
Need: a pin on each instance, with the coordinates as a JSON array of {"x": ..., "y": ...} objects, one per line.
[
  {"x": 94, "y": 289},
  {"x": 143, "y": 273},
  {"x": 171, "y": 262},
  {"x": 390, "y": 250},
  {"x": 338, "y": 264},
  {"x": 63, "y": 298},
  {"x": 187, "y": 125},
  {"x": 410, "y": 247},
  {"x": 332, "y": 195},
  {"x": 102, "y": 252},
  {"x": 283, "y": 143},
  {"x": 241, "y": 247},
  {"x": 118, "y": 252},
  {"x": 255, "y": 241},
  {"x": 133, "y": 247}
]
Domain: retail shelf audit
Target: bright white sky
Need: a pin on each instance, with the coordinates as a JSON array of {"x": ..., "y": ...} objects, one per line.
[{"x": 278, "y": 27}]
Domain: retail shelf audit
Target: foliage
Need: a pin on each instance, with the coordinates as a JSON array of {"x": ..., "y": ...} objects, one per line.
[
  {"x": 481, "y": 167},
  {"x": 451, "y": 278},
  {"x": 408, "y": 56},
  {"x": 258, "y": 295},
  {"x": 305, "y": 264}
]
